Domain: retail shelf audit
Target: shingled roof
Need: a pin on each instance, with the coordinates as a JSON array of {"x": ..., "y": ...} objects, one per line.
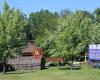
[{"x": 27, "y": 51}]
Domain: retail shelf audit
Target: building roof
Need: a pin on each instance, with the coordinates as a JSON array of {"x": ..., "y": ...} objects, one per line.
[{"x": 28, "y": 49}]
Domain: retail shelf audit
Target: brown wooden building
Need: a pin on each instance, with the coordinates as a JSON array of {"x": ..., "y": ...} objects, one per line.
[
  {"x": 29, "y": 61},
  {"x": 26, "y": 60}
]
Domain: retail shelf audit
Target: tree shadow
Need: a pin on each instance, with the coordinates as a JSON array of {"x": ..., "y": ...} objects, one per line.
[
  {"x": 24, "y": 72},
  {"x": 19, "y": 72},
  {"x": 63, "y": 68},
  {"x": 68, "y": 68}
]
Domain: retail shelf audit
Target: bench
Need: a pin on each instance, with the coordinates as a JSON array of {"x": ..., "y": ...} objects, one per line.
[{"x": 75, "y": 65}]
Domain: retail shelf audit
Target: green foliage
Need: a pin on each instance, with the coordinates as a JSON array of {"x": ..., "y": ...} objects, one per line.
[
  {"x": 97, "y": 13},
  {"x": 11, "y": 32},
  {"x": 72, "y": 35},
  {"x": 94, "y": 33},
  {"x": 41, "y": 21},
  {"x": 48, "y": 45}
]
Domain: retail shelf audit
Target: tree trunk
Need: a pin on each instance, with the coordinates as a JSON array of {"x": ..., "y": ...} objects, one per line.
[
  {"x": 71, "y": 64},
  {"x": 85, "y": 61},
  {"x": 4, "y": 68}
]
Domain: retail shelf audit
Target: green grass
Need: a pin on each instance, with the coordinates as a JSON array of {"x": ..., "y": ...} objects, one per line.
[{"x": 85, "y": 73}]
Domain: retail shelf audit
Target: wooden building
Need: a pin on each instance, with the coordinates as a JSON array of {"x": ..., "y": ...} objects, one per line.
[{"x": 27, "y": 60}]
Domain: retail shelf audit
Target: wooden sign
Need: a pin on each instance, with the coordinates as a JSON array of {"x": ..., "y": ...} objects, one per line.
[{"x": 37, "y": 53}]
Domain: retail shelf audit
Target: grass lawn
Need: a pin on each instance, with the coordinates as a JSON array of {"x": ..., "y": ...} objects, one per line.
[{"x": 86, "y": 73}]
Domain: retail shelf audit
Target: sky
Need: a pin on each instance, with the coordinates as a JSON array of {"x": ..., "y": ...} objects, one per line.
[{"x": 28, "y": 6}]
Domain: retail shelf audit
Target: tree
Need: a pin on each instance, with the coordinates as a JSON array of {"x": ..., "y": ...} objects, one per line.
[
  {"x": 94, "y": 33},
  {"x": 97, "y": 13},
  {"x": 72, "y": 36},
  {"x": 41, "y": 21},
  {"x": 11, "y": 33},
  {"x": 65, "y": 12}
]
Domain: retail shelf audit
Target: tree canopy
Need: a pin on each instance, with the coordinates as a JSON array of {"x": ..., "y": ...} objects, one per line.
[
  {"x": 73, "y": 35},
  {"x": 11, "y": 33}
]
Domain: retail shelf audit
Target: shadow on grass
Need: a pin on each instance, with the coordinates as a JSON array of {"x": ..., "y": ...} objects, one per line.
[
  {"x": 24, "y": 71},
  {"x": 68, "y": 68},
  {"x": 45, "y": 68},
  {"x": 19, "y": 72}
]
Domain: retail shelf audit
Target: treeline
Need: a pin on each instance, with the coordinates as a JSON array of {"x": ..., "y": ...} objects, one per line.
[
  {"x": 63, "y": 34},
  {"x": 72, "y": 33}
]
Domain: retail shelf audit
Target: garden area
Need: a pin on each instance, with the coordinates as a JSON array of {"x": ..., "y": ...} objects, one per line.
[{"x": 54, "y": 73}]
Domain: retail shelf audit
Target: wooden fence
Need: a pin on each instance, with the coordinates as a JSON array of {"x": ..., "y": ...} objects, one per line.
[{"x": 24, "y": 63}]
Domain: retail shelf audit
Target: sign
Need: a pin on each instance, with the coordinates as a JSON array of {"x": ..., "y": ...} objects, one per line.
[
  {"x": 37, "y": 53},
  {"x": 94, "y": 52}
]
